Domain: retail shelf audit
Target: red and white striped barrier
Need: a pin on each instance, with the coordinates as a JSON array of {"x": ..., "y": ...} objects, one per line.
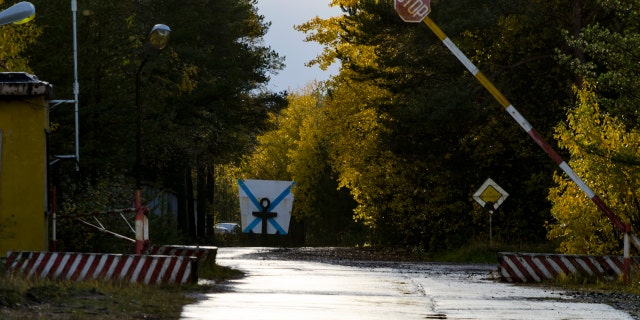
[
  {"x": 536, "y": 267},
  {"x": 201, "y": 252},
  {"x": 146, "y": 269}
]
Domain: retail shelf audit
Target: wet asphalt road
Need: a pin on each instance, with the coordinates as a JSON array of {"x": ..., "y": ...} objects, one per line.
[{"x": 277, "y": 288}]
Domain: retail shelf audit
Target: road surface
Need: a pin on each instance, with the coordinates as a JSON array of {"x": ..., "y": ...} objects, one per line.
[{"x": 277, "y": 288}]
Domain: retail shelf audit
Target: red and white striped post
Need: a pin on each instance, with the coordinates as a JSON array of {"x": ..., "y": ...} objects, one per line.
[
  {"x": 142, "y": 224},
  {"x": 627, "y": 254},
  {"x": 54, "y": 222},
  {"x": 527, "y": 127}
]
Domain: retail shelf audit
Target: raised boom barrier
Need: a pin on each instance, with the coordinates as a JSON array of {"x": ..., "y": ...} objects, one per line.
[
  {"x": 415, "y": 15},
  {"x": 145, "y": 269}
]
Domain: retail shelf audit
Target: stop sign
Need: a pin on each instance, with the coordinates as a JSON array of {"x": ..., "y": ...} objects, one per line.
[{"x": 412, "y": 10}]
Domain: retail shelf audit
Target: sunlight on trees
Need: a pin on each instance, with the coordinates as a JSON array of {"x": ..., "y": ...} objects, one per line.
[{"x": 606, "y": 154}]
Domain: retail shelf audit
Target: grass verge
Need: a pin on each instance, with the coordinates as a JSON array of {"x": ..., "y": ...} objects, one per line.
[
  {"x": 482, "y": 252},
  {"x": 33, "y": 298},
  {"x": 595, "y": 284}
]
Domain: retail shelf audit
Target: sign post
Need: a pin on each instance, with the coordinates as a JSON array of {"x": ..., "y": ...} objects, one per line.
[{"x": 490, "y": 196}]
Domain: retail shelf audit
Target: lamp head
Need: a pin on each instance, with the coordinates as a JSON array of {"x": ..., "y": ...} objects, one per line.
[
  {"x": 159, "y": 37},
  {"x": 21, "y": 12}
]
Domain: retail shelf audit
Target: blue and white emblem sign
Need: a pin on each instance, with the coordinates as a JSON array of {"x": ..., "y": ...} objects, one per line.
[{"x": 267, "y": 201}]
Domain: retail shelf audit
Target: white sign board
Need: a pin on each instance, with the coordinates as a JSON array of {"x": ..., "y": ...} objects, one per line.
[
  {"x": 265, "y": 197},
  {"x": 490, "y": 192}
]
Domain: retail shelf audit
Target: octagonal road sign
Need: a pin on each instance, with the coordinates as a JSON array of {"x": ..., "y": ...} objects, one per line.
[
  {"x": 412, "y": 10},
  {"x": 265, "y": 200}
]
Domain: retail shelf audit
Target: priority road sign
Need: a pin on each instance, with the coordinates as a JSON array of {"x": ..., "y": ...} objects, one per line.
[
  {"x": 265, "y": 201},
  {"x": 412, "y": 10},
  {"x": 490, "y": 194}
]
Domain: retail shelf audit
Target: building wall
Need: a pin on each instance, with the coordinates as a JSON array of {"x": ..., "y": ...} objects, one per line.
[{"x": 23, "y": 160}]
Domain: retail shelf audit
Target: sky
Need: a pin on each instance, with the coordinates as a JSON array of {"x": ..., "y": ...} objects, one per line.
[{"x": 287, "y": 42}]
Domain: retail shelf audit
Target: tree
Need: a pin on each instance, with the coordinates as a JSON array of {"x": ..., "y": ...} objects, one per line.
[
  {"x": 606, "y": 153},
  {"x": 602, "y": 125},
  {"x": 14, "y": 41},
  {"x": 437, "y": 136},
  {"x": 297, "y": 148},
  {"x": 609, "y": 47},
  {"x": 202, "y": 100}
]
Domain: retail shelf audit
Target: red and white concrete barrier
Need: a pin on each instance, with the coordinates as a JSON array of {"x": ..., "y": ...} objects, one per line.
[
  {"x": 201, "y": 252},
  {"x": 536, "y": 267},
  {"x": 146, "y": 269}
]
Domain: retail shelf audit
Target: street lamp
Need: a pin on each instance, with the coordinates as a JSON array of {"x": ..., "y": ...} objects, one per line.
[
  {"x": 157, "y": 40},
  {"x": 21, "y": 12}
]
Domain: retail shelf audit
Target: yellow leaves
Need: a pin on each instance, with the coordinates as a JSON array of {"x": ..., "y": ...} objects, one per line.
[
  {"x": 325, "y": 32},
  {"x": 288, "y": 149},
  {"x": 14, "y": 39},
  {"x": 606, "y": 155},
  {"x": 332, "y": 33},
  {"x": 188, "y": 81},
  {"x": 351, "y": 3},
  {"x": 344, "y": 3}
]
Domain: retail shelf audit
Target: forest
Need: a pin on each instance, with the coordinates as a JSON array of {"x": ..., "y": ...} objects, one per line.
[{"x": 388, "y": 152}]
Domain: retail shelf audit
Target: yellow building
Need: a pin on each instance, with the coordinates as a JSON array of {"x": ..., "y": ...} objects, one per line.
[{"x": 24, "y": 124}]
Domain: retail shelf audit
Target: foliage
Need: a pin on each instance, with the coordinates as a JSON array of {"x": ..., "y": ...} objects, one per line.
[
  {"x": 81, "y": 200},
  {"x": 201, "y": 101},
  {"x": 14, "y": 40},
  {"x": 600, "y": 287},
  {"x": 609, "y": 49},
  {"x": 226, "y": 207},
  {"x": 483, "y": 252},
  {"x": 601, "y": 131},
  {"x": 298, "y": 149},
  {"x": 60, "y": 300},
  {"x": 412, "y": 134},
  {"x": 325, "y": 211},
  {"x": 605, "y": 153}
]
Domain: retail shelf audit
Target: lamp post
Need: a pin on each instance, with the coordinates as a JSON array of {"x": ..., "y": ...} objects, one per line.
[
  {"x": 158, "y": 39},
  {"x": 21, "y": 12},
  {"x": 76, "y": 111}
]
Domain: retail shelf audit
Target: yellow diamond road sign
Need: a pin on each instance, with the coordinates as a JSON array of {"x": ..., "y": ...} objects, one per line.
[{"x": 490, "y": 193}]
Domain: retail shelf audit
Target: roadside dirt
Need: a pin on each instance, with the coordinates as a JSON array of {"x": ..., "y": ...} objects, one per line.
[
  {"x": 343, "y": 254},
  {"x": 629, "y": 303}
]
